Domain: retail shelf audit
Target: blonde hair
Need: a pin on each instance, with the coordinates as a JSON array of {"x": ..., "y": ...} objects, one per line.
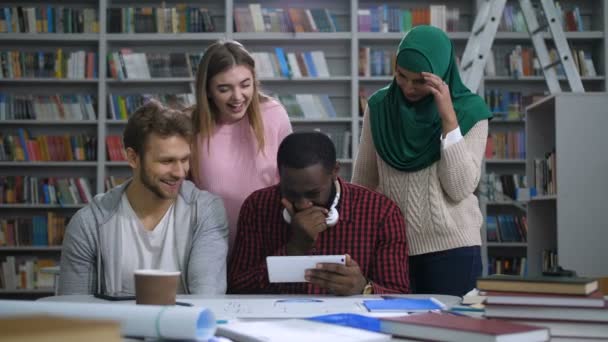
[{"x": 219, "y": 57}]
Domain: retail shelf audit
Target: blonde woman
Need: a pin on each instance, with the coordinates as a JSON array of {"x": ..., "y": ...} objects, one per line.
[{"x": 238, "y": 128}]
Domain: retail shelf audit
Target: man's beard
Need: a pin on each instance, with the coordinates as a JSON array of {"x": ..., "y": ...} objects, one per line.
[{"x": 150, "y": 186}]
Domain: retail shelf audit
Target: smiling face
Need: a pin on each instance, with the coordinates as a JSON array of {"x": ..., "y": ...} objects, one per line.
[
  {"x": 231, "y": 92},
  {"x": 163, "y": 166},
  {"x": 412, "y": 84}
]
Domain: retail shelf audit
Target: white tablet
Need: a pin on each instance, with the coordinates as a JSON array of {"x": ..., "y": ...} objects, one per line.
[{"x": 291, "y": 269}]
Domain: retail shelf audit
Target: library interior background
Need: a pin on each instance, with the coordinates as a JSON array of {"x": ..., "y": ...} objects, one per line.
[{"x": 72, "y": 72}]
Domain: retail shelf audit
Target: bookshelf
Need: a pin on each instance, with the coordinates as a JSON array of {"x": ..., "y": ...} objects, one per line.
[
  {"x": 532, "y": 88},
  {"x": 343, "y": 86},
  {"x": 569, "y": 218}
]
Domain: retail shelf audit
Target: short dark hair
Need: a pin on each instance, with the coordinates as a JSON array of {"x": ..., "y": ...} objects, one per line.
[
  {"x": 303, "y": 149},
  {"x": 153, "y": 117}
]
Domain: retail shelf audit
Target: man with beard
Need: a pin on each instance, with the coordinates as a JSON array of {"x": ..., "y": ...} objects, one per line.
[{"x": 156, "y": 220}]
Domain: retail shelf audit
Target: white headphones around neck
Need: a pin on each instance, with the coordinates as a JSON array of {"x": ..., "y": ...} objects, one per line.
[{"x": 332, "y": 216}]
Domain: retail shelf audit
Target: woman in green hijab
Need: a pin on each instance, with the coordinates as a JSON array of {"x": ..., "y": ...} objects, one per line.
[{"x": 423, "y": 141}]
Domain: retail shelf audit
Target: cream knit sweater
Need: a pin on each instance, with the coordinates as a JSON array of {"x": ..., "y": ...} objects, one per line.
[{"x": 440, "y": 209}]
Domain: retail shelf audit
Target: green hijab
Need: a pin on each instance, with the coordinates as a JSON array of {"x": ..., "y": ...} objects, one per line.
[{"x": 407, "y": 134}]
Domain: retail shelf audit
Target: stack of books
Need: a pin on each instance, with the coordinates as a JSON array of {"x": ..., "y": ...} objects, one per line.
[{"x": 570, "y": 307}]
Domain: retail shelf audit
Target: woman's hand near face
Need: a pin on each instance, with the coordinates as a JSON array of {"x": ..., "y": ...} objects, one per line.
[{"x": 443, "y": 100}]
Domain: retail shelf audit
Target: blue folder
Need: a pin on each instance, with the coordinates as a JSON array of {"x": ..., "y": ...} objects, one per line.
[
  {"x": 404, "y": 304},
  {"x": 350, "y": 320}
]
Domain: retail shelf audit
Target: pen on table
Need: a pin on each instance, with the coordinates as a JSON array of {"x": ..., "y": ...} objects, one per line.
[{"x": 183, "y": 304}]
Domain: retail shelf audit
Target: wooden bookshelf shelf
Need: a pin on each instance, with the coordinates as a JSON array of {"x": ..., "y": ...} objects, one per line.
[
  {"x": 61, "y": 81},
  {"x": 164, "y": 37},
  {"x": 375, "y": 78},
  {"x": 543, "y": 198},
  {"x": 159, "y": 81},
  {"x": 282, "y": 36},
  {"x": 305, "y": 79},
  {"x": 117, "y": 163},
  {"x": 40, "y": 206},
  {"x": 507, "y": 244},
  {"x": 505, "y": 161},
  {"x": 506, "y": 121},
  {"x": 537, "y": 79},
  {"x": 80, "y": 38},
  {"x": 30, "y": 249},
  {"x": 29, "y": 164},
  {"x": 49, "y": 122},
  {"x": 524, "y": 36},
  {"x": 396, "y": 36}
]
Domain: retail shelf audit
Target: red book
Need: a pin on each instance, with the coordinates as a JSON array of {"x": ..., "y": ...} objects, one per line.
[
  {"x": 445, "y": 327},
  {"x": 596, "y": 299},
  {"x": 490, "y": 148}
]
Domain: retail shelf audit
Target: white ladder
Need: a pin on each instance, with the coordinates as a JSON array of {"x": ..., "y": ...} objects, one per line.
[{"x": 484, "y": 30}]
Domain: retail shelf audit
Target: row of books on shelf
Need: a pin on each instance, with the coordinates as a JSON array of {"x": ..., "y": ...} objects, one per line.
[
  {"x": 23, "y": 147},
  {"x": 506, "y": 145},
  {"x": 48, "y": 19},
  {"x": 507, "y": 265},
  {"x": 48, "y": 107},
  {"x": 122, "y": 106},
  {"x": 255, "y": 18},
  {"x": 41, "y": 190},
  {"x": 310, "y": 106},
  {"x": 572, "y": 308},
  {"x": 126, "y": 64},
  {"x": 495, "y": 187},
  {"x": 376, "y": 61},
  {"x": 506, "y": 104},
  {"x": 36, "y": 230},
  {"x": 45, "y": 64},
  {"x": 545, "y": 181},
  {"x": 506, "y": 228},
  {"x": 115, "y": 148},
  {"x": 25, "y": 272},
  {"x": 341, "y": 139},
  {"x": 521, "y": 61},
  {"x": 385, "y": 18},
  {"x": 291, "y": 64},
  {"x": 179, "y": 19},
  {"x": 513, "y": 19}
]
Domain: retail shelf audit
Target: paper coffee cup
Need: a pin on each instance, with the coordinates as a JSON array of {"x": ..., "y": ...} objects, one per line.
[{"x": 156, "y": 287}]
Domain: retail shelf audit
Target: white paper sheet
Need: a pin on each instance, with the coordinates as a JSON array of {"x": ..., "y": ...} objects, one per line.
[
  {"x": 295, "y": 330},
  {"x": 290, "y": 307},
  {"x": 174, "y": 322}
]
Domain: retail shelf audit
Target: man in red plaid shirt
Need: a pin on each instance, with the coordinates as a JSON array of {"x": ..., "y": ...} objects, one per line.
[{"x": 366, "y": 226}]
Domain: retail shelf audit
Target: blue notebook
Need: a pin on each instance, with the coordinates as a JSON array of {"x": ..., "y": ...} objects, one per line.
[
  {"x": 403, "y": 304},
  {"x": 350, "y": 320}
]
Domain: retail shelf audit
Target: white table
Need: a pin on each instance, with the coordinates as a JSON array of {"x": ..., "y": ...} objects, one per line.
[{"x": 269, "y": 306}]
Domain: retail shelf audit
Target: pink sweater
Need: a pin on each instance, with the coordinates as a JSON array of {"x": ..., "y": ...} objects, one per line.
[{"x": 232, "y": 169}]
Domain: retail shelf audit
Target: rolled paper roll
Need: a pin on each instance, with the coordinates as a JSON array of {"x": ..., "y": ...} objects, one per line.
[{"x": 171, "y": 322}]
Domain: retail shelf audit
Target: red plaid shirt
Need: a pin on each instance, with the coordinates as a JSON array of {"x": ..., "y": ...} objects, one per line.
[{"x": 371, "y": 230}]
